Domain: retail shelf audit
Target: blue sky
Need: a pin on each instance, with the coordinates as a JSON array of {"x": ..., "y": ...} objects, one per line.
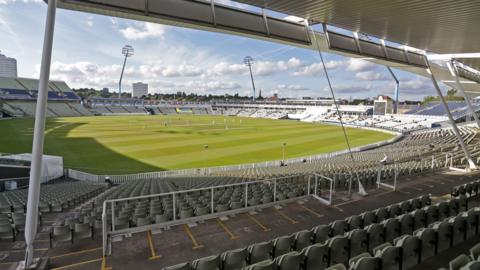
[{"x": 87, "y": 53}]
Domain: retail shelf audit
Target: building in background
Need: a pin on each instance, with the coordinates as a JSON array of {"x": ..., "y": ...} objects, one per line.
[
  {"x": 383, "y": 105},
  {"x": 140, "y": 89},
  {"x": 8, "y": 67}
]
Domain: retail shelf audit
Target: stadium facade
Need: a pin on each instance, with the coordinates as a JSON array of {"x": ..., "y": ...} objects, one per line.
[{"x": 8, "y": 67}]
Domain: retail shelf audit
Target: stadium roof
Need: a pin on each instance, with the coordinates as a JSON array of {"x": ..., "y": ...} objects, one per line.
[
  {"x": 436, "y": 27},
  {"x": 446, "y": 26}
]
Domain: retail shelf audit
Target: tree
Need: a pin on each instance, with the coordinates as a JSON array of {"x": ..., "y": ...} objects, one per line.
[{"x": 451, "y": 92}]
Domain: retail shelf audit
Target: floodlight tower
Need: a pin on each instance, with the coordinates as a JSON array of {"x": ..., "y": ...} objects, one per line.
[
  {"x": 248, "y": 61},
  {"x": 395, "y": 108},
  {"x": 128, "y": 51}
]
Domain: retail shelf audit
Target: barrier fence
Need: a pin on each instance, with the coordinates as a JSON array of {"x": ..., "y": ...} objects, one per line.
[
  {"x": 110, "y": 219},
  {"x": 326, "y": 189}
]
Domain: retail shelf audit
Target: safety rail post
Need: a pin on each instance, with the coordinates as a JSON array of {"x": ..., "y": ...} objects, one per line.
[
  {"x": 104, "y": 229},
  {"x": 308, "y": 188},
  {"x": 246, "y": 194},
  {"x": 379, "y": 175},
  {"x": 331, "y": 191},
  {"x": 211, "y": 200},
  {"x": 275, "y": 190},
  {"x": 174, "y": 207},
  {"x": 395, "y": 177},
  {"x": 113, "y": 216}
]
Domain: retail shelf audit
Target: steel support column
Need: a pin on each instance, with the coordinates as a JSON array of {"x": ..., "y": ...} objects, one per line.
[
  {"x": 452, "y": 121},
  {"x": 454, "y": 70},
  {"x": 38, "y": 135}
]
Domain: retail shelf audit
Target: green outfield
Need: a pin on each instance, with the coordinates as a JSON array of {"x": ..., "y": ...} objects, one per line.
[{"x": 129, "y": 144}]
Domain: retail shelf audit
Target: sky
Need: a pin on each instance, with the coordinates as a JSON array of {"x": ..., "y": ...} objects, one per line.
[{"x": 87, "y": 53}]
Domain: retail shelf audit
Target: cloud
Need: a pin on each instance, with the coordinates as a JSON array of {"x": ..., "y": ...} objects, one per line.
[
  {"x": 316, "y": 69},
  {"x": 357, "y": 65},
  {"x": 370, "y": 76},
  {"x": 260, "y": 68},
  {"x": 86, "y": 74},
  {"x": 181, "y": 71},
  {"x": 143, "y": 31}
]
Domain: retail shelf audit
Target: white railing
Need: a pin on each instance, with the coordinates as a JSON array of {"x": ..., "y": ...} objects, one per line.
[{"x": 109, "y": 229}]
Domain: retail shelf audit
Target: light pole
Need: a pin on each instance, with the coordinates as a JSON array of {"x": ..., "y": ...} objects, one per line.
[
  {"x": 248, "y": 61},
  {"x": 283, "y": 151},
  {"x": 128, "y": 51}
]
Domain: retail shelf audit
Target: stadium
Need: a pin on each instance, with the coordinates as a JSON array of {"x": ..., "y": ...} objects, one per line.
[{"x": 90, "y": 180}]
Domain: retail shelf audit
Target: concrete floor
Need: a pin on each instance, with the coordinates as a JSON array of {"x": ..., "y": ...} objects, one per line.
[{"x": 188, "y": 242}]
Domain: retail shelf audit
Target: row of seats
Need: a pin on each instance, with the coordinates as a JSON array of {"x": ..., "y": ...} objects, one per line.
[
  {"x": 470, "y": 189},
  {"x": 13, "y": 224},
  {"x": 187, "y": 204},
  {"x": 353, "y": 249},
  {"x": 55, "y": 197},
  {"x": 466, "y": 262},
  {"x": 383, "y": 224}
]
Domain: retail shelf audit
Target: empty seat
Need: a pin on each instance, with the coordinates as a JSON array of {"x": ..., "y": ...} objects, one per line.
[
  {"x": 259, "y": 252},
  {"x": 458, "y": 229},
  {"x": 358, "y": 242},
  {"x": 376, "y": 235},
  {"x": 444, "y": 235},
  {"x": 207, "y": 263},
  {"x": 432, "y": 214},
  {"x": 338, "y": 266},
  {"x": 406, "y": 223},
  {"x": 368, "y": 217},
  {"x": 60, "y": 234},
  {"x": 395, "y": 210},
  {"x": 443, "y": 210},
  {"x": 303, "y": 239},
  {"x": 82, "y": 231},
  {"x": 355, "y": 222},
  {"x": 389, "y": 257},
  {"x": 182, "y": 266},
  {"x": 315, "y": 257},
  {"x": 428, "y": 243},
  {"x": 410, "y": 248},
  {"x": 7, "y": 232},
  {"x": 382, "y": 214},
  {"x": 143, "y": 221},
  {"x": 234, "y": 259},
  {"x": 263, "y": 265},
  {"x": 339, "y": 249},
  {"x": 289, "y": 261},
  {"x": 339, "y": 227},
  {"x": 392, "y": 229},
  {"x": 322, "y": 233},
  {"x": 282, "y": 245},
  {"x": 472, "y": 220},
  {"x": 459, "y": 262},
  {"x": 421, "y": 219},
  {"x": 475, "y": 252},
  {"x": 364, "y": 261}
]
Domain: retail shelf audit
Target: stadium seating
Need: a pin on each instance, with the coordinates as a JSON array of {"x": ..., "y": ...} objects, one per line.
[{"x": 337, "y": 251}]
